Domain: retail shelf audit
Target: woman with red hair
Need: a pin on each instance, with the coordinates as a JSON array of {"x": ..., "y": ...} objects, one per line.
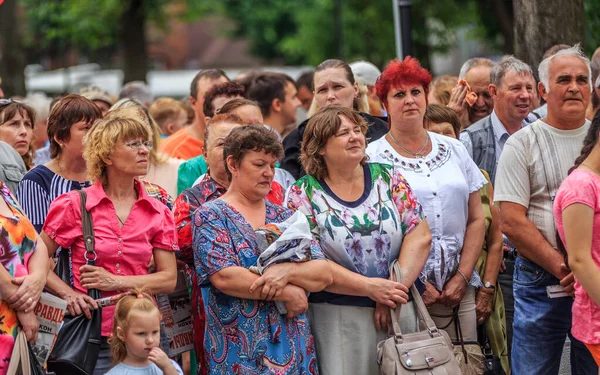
[{"x": 446, "y": 182}]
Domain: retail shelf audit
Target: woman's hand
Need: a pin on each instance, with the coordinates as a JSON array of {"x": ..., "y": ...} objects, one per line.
[
  {"x": 387, "y": 292},
  {"x": 29, "y": 324},
  {"x": 431, "y": 296},
  {"x": 275, "y": 278},
  {"x": 295, "y": 300},
  {"x": 383, "y": 317},
  {"x": 484, "y": 303},
  {"x": 454, "y": 291},
  {"x": 93, "y": 277},
  {"x": 568, "y": 281},
  {"x": 78, "y": 303},
  {"x": 29, "y": 292}
]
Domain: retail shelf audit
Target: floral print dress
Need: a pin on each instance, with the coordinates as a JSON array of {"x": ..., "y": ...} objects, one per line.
[
  {"x": 245, "y": 336},
  {"x": 363, "y": 236},
  {"x": 17, "y": 243}
]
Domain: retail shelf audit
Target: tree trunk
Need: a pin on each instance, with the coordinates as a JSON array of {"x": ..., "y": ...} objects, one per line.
[
  {"x": 12, "y": 56},
  {"x": 133, "y": 41},
  {"x": 540, "y": 24},
  {"x": 504, "y": 14}
]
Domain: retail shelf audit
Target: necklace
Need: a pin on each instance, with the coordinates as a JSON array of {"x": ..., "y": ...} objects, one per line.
[
  {"x": 121, "y": 221},
  {"x": 419, "y": 154}
]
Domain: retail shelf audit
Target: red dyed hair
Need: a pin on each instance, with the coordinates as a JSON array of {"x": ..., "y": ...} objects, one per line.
[{"x": 398, "y": 73}]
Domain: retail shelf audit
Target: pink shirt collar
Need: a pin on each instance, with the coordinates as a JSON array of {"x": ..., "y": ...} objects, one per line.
[{"x": 96, "y": 194}]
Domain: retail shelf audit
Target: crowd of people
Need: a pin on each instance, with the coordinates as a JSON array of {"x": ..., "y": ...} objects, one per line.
[{"x": 484, "y": 197}]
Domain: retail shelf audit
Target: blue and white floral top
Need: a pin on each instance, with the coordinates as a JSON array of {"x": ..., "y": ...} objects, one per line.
[{"x": 363, "y": 236}]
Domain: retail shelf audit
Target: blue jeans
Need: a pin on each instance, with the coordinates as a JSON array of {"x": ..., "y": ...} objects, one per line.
[{"x": 541, "y": 325}]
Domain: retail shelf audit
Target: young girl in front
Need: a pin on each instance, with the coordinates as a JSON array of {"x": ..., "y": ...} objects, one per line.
[
  {"x": 577, "y": 216},
  {"x": 135, "y": 339}
]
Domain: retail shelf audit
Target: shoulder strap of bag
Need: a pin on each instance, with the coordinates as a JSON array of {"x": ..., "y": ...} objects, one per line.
[
  {"x": 88, "y": 233},
  {"x": 417, "y": 300},
  {"x": 460, "y": 337},
  {"x": 20, "y": 356}
]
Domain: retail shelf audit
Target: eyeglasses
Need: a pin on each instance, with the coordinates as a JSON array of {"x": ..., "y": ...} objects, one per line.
[{"x": 137, "y": 145}]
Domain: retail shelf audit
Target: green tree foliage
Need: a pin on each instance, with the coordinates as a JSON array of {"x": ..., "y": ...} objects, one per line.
[
  {"x": 291, "y": 32},
  {"x": 304, "y": 32},
  {"x": 87, "y": 25},
  {"x": 264, "y": 22},
  {"x": 592, "y": 25}
]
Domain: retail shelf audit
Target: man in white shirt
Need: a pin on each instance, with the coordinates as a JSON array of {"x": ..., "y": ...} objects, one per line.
[{"x": 532, "y": 166}]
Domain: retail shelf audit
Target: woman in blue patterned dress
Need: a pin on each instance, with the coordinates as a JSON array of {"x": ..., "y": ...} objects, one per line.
[{"x": 245, "y": 334}]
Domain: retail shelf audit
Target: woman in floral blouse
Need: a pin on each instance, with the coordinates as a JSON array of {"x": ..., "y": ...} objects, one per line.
[
  {"x": 24, "y": 261},
  {"x": 364, "y": 216}
]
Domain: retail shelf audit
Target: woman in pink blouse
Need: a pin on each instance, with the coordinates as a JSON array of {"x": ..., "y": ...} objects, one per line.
[
  {"x": 131, "y": 228},
  {"x": 577, "y": 216}
]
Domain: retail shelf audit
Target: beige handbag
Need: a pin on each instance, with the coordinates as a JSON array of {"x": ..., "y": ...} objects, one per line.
[
  {"x": 425, "y": 352},
  {"x": 469, "y": 355},
  {"x": 19, "y": 360}
]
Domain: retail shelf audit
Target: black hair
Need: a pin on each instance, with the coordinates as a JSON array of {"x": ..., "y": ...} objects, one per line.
[{"x": 589, "y": 142}]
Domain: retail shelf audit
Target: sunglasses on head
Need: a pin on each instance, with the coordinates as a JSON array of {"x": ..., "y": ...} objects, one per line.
[{"x": 9, "y": 101}]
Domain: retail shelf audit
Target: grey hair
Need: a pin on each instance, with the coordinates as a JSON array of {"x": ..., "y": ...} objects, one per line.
[
  {"x": 473, "y": 63},
  {"x": 575, "y": 51},
  {"x": 137, "y": 90},
  {"x": 505, "y": 65},
  {"x": 40, "y": 104}
]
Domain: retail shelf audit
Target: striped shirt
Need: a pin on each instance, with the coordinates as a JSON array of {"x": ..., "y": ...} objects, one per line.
[
  {"x": 39, "y": 188},
  {"x": 535, "y": 161}
]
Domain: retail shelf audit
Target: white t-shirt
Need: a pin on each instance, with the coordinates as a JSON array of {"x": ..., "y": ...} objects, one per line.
[
  {"x": 525, "y": 171},
  {"x": 152, "y": 369},
  {"x": 442, "y": 182}
]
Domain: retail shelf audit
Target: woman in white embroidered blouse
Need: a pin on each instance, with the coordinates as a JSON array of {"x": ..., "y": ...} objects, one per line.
[{"x": 446, "y": 181}]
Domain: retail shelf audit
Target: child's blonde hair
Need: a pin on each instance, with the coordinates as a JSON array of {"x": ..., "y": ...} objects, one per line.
[{"x": 136, "y": 302}]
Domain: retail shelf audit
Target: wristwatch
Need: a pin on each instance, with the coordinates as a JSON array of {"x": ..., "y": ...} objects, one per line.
[{"x": 489, "y": 285}]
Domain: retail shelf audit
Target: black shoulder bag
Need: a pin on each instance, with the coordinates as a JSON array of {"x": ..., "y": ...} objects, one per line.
[{"x": 78, "y": 343}]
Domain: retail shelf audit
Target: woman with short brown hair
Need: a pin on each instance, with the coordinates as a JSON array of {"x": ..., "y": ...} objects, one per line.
[
  {"x": 364, "y": 216},
  {"x": 225, "y": 247},
  {"x": 70, "y": 119},
  {"x": 442, "y": 120}
]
